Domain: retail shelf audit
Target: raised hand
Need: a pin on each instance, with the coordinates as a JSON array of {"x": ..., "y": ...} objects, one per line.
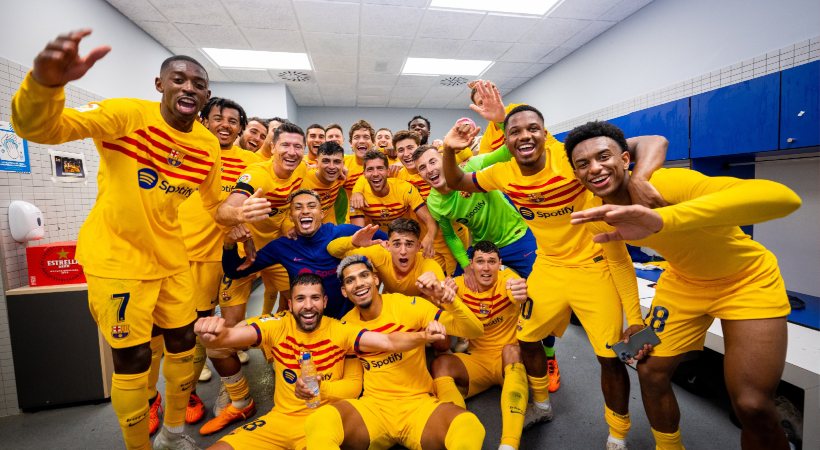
[
  {"x": 518, "y": 289},
  {"x": 427, "y": 246},
  {"x": 460, "y": 136},
  {"x": 60, "y": 62},
  {"x": 255, "y": 208},
  {"x": 491, "y": 107},
  {"x": 631, "y": 222},
  {"x": 643, "y": 193},
  {"x": 364, "y": 236},
  {"x": 470, "y": 278}
]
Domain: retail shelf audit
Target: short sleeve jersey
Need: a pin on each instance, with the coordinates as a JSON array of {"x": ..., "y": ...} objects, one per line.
[
  {"x": 402, "y": 200},
  {"x": 383, "y": 263},
  {"x": 147, "y": 169},
  {"x": 546, "y": 200},
  {"x": 280, "y": 337},
  {"x": 276, "y": 190},
  {"x": 203, "y": 238},
  {"x": 393, "y": 377},
  {"x": 496, "y": 310},
  {"x": 328, "y": 193}
]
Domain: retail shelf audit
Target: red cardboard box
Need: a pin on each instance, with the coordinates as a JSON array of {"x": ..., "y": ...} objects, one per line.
[{"x": 54, "y": 263}]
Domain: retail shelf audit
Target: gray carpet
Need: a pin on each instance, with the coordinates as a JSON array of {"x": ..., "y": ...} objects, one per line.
[{"x": 579, "y": 422}]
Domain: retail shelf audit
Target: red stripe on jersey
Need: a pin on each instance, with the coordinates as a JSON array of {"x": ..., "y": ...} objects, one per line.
[
  {"x": 497, "y": 143},
  {"x": 232, "y": 172},
  {"x": 384, "y": 327},
  {"x": 148, "y": 162},
  {"x": 165, "y": 136},
  {"x": 297, "y": 349},
  {"x": 307, "y": 346},
  {"x": 552, "y": 180},
  {"x": 161, "y": 159},
  {"x": 165, "y": 148},
  {"x": 234, "y": 166},
  {"x": 282, "y": 362},
  {"x": 236, "y": 160},
  {"x": 551, "y": 205},
  {"x": 478, "y": 299},
  {"x": 497, "y": 311},
  {"x": 334, "y": 357}
]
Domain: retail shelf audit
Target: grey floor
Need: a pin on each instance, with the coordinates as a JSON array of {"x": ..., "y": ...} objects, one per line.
[{"x": 578, "y": 423}]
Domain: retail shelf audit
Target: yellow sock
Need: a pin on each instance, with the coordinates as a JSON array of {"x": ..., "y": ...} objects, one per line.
[
  {"x": 157, "y": 348},
  {"x": 514, "y": 395},
  {"x": 465, "y": 433},
  {"x": 324, "y": 429},
  {"x": 446, "y": 391},
  {"x": 619, "y": 424},
  {"x": 540, "y": 388},
  {"x": 667, "y": 441},
  {"x": 129, "y": 397},
  {"x": 179, "y": 379},
  {"x": 199, "y": 360},
  {"x": 238, "y": 389}
]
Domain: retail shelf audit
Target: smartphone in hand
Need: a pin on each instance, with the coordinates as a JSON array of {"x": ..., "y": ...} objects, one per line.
[{"x": 627, "y": 350}]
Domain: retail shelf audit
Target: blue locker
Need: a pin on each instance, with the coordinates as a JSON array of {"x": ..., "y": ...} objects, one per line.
[
  {"x": 800, "y": 106},
  {"x": 741, "y": 118},
  {"x": 670, "y": 120}
]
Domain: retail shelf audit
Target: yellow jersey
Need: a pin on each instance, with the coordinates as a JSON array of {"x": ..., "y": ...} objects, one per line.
[
  {"x": 354, "y": 171},
  {"x": 328, "y": 193},
  {"x": 202, "y": 236},
  {"x": 392, "y": 377},
  {"x": 496, "y": 310},
  {"x": 382, "y": 261},
  {"x": 277, "y": 191},
  {"x": 416, "y": 180},
  {"x": 147, "y": 169},
  {"x": 546, "y": 200},
  {"x": 701, "y": 238},
  {"x": 311, "y": 163},
  {"x": 329, "y": 345},
  {"x": 402, "y": 200}
]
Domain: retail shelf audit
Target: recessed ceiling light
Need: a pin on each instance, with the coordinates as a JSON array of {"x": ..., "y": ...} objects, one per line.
[
  {"x": 436, "y": 66},
  {"x": 254, "y": 59},
  {"x": 531, "y": 7}
]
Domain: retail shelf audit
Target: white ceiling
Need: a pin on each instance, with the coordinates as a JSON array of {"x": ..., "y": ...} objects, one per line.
[{"x": 357, "y": 47}]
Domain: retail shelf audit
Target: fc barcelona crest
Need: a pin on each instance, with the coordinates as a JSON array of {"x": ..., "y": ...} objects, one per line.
[
  {"x": 385, "y": 213},
  {"x": 175, "y": 158},
  {"x": 536, "y": 197},
  {"x": 119, "y": 331},
  {"x": 484, "y": 309}
]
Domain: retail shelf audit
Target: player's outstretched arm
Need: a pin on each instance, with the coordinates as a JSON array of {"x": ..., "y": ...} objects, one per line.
[
  {"x": 348, "y": 386},
  {"x": 631, "y": 222},
  {"x": 214, "y": 334},
  {"x": 401, "y": 342},
  {"x": 459, "y": 137},
  {"x": 432, "y": 230}
]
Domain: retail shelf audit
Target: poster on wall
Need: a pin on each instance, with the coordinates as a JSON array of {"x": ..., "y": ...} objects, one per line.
[
  {"x": 67, "y": 167},
  {"x": 13, "y": 151}
]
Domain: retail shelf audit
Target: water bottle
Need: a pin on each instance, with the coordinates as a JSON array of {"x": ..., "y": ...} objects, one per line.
[{"x": 311, "y": 379}]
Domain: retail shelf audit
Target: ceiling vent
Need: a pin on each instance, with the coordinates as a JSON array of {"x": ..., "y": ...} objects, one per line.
[
  {"x": 294, "y": 76},
  {"x": 453, "y": 81}
]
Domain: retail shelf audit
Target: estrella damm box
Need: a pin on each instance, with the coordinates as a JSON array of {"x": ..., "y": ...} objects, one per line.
[{"x": 54, "y": 263}]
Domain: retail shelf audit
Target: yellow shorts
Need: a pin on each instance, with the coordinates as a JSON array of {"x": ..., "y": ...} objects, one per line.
[
  {"x": 484, "y": 370},
  {"x": 274, "y": 430},
  {"x": 237, "y": 292},
  {"x": 126, "y": 310},
  {"x": 207, "y": 281},
  {"x": 400, "y": 422},
  {"x": 588, "y": 291},
  {"x": 683, "y": 310}
]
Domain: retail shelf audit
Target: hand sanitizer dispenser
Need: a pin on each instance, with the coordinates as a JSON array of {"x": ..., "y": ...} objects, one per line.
[{"x": 25, "y": 221}]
